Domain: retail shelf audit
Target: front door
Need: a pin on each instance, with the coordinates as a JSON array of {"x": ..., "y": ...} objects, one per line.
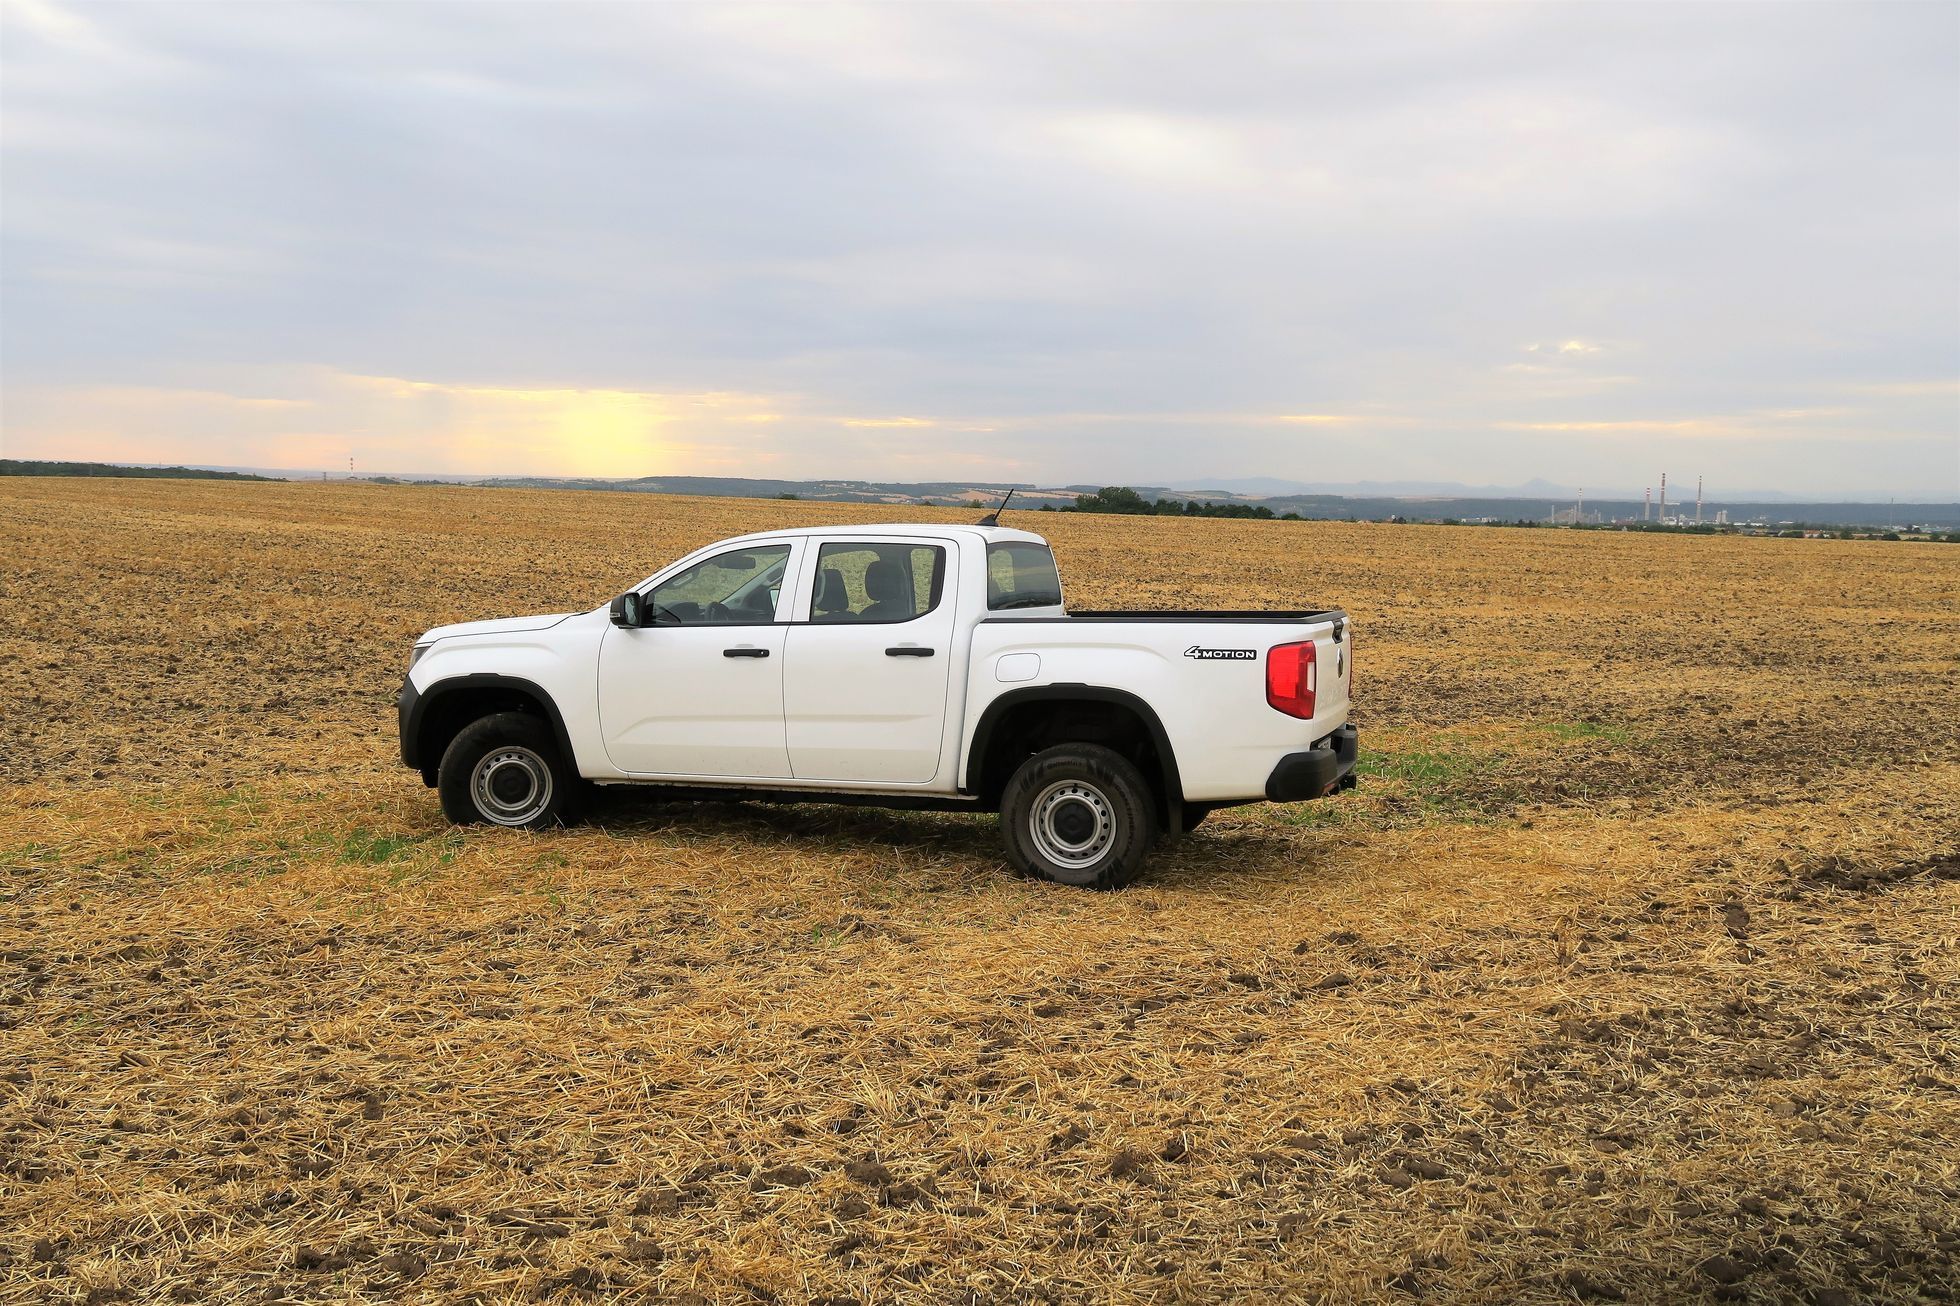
[
  {"x": 864, "y": 680},
  {"x": 699, "y": 690}
]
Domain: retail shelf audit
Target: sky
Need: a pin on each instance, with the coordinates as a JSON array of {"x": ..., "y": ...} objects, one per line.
[{"x": 1050, "y": 243}]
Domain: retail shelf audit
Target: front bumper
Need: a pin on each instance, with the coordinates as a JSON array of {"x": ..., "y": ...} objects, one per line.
[{"x": 1319, "y": 771}]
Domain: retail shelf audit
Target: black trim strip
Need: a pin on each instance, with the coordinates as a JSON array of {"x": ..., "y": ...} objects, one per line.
[
  {"x": 406, "y": 716},
  {"x": 1316, "y": 772},
  {"x": 773, "y": 625},
  {"x": 413, "y": 711},
  {"x": 718, "y": 793},
  {"x": 1073, "y": 692},
  {"x": 1328, "y": 614}
]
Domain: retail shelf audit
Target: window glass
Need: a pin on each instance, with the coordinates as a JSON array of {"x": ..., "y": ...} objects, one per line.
[
  {"x": 1022, "y": 575},
  {"x": 737, "y": 588},
  {"x": 877, "y": 582}
]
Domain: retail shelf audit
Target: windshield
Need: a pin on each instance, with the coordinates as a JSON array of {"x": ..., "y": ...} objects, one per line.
[{"x": 1022, "y": 575}]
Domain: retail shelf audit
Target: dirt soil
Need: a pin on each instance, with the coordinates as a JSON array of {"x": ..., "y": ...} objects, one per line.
[{"x": 1630, "y": 973}]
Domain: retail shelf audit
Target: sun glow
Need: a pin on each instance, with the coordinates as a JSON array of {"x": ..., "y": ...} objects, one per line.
[
  {"x": 310, "y": 418},
  {"x": 585, "y": 432}
]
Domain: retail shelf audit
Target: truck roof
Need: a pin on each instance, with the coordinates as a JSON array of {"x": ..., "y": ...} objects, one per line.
[{"x": 942, "y": 530}]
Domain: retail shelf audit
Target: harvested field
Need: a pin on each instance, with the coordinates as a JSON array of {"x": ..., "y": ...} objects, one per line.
[{"x": 1631, "y": 972}]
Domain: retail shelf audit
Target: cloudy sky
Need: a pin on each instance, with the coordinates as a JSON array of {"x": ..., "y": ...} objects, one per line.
[{"x": 1036, "y": 242}]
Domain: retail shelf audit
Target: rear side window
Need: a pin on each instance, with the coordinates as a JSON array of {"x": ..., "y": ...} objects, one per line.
[
  {"x": 1022, "y": 575},
  {"x": 877, "y": 582}
]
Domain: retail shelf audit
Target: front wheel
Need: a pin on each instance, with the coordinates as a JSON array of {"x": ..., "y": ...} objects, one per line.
[
  {"x": 506, "y": 770},
  {"x": 1078, "y": 814}
]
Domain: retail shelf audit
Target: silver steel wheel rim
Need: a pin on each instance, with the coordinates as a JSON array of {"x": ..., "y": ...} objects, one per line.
[
  {"x": 511, "y": 785},
  {"x": 1072, "y": 824}
]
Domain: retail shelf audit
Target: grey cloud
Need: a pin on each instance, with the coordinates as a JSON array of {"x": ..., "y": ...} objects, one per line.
[{"x": 1020, "y": 215}]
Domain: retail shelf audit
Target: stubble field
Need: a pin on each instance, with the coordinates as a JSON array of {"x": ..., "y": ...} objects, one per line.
[{"x": 1631, "y": 972}]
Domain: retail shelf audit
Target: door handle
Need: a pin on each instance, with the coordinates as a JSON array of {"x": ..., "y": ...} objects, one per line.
[
  {"x": 745, "y": 652},
  {"x": 908, "y": 651}
]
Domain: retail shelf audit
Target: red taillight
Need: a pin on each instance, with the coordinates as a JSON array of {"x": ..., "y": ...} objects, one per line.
[{"x": 1290, "y": 678}]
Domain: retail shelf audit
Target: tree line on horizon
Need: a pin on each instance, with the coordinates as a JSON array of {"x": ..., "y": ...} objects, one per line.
[
  {"x": 35, "y": 467},
  {"x": 1124, "y": 501}
]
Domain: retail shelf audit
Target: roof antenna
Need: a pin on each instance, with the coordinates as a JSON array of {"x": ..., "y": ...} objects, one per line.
[{"x": 993, "y": 518}]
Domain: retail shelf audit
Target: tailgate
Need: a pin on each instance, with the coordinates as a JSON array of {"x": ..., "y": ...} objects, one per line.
[{"x": 1334, "y": 665}]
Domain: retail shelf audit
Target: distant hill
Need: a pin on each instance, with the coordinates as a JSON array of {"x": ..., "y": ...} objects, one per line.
[
  {"x": 24, "y": 467},
  {"x": 1413, "y": 501},
  {"x": 1424, "y": 507},
  {"x": 895, "y": 492},
  {"x": 1943, "y": 516},
  {"x": 1272, "y": 487}
]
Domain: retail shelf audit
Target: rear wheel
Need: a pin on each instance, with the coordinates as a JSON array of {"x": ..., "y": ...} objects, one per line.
[
  {"x": 1078, "y": 814},
  {"x": 506, "y": 770}
]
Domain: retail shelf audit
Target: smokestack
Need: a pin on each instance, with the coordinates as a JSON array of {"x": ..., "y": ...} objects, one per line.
[
  {"x": 1647, "y": 504},
  {"x": 1581, "y": 515},
  {"x": 1663, "y": 496},
  {"x": 1697, "y": 500}
]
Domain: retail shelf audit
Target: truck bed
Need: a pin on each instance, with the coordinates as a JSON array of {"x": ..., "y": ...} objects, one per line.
[{"x": 1202, "y": 673}]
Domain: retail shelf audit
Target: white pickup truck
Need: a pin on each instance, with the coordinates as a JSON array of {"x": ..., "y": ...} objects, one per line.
[{"x": 908, "y": 666}]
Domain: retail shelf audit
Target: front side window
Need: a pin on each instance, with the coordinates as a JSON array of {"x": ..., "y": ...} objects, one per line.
[
  {"x": 1022, "y": 575},
  {"x": 877, "y": 582},
  {"x": 737, "y": 588}
]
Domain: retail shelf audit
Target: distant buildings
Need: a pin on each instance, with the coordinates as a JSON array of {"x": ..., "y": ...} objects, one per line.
[{"x": 1575, "y": 516}]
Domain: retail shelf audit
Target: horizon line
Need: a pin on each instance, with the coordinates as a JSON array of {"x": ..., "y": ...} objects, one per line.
[{"x": 1509, "y": 493}]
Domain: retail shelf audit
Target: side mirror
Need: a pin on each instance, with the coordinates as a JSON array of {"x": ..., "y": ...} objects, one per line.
[{"x": 628, "y": 610}]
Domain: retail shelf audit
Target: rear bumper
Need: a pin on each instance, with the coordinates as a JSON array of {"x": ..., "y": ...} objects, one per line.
[{"x": 1319, "y": 771}]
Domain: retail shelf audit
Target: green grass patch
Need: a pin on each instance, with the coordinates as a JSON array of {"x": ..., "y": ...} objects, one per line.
[
  {"x": 1424, "y": 770},
  {"x": 1403, "y": 787},
  {"x": 365, "y": 847},
  {"x": 1431, "y": 784},
  {"x": 374, "y": 849}
]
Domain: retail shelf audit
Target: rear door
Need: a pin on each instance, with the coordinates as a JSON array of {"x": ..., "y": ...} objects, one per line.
[{"x": 865, "y": 672}]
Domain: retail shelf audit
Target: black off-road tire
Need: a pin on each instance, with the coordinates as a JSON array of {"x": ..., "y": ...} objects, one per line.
[
  {"x": 1079, "y": 814},
  {"x": 1194, "y": 815},
  {"x": 493, "y": 771}
]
